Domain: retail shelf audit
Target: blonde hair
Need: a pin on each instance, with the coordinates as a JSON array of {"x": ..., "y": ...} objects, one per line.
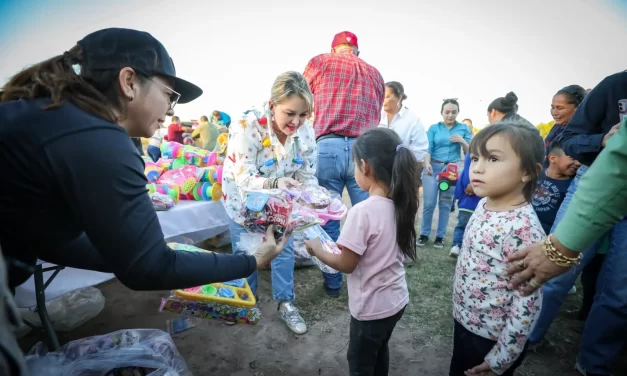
[{"x": 291, "y": 83}]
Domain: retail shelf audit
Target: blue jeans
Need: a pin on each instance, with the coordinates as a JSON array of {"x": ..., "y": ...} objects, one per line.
[
  {"x": 462, "y": 220},
  {"x": 430, "y": 195},
  {"x": 605, "y": 330},
  {"x": 282, "y": 267},
  {"x": 336, "y": 170},
  {"x": 556, "y": 289}
]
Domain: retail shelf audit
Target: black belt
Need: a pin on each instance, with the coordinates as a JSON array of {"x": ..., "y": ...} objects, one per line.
[
  {"x": 440, "y": 162},
  {"x": 331, "y": 135}
]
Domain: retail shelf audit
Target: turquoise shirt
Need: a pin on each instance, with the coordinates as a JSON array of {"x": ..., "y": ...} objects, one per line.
[{"x": 440, "y": 147}]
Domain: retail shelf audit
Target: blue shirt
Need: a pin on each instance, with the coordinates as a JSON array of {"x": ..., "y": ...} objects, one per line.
[
  {"x": 440, "y": 147},
  {"x": 225, "y": 119},
  {"x": 547, "y": 199},
  {"x": 465, "y": 202},
  {"x": 604, "y": 107}
]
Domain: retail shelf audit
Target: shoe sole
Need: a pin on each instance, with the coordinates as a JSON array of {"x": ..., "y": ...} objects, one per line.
[
  {"x": 453, "y": 255},
  {"x": 438, "y": 246}
]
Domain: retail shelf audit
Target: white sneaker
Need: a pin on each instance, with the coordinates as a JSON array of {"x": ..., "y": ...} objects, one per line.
[
  {"x": 454, "y": 251},
  {"x": 573, "y": 290},
  {"x": 290, "y": 315}
]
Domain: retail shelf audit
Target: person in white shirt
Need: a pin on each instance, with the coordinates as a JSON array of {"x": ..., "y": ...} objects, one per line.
[{"x": 404, "y": 121}]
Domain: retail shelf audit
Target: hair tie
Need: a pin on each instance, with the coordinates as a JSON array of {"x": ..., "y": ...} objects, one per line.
[{"x": 399, "y": 147}]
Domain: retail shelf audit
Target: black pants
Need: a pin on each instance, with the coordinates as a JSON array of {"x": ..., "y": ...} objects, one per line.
[
  {"x": 368, "y": 352},
  {"x": 469, "y": 351},
  {"x": 589, "y": 277}
]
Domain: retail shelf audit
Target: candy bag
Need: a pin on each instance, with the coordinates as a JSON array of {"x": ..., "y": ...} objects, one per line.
[
  {"x": 313, "y": 196},
  {"x": 270, "y": 207},
  {"x": 161, "y": 201},
  {"x": 313, "y": 232}
]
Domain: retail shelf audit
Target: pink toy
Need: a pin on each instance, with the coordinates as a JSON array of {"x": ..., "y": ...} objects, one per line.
[
  {"x": 172, "y": 150},
  {"x": 185, "y": 177},
  {"x": 170, "y": 190}
]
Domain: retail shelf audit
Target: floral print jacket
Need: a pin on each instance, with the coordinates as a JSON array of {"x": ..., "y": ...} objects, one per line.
[
  {"x": 482, "y": 303},
  {"x": 255, "y": 155}
]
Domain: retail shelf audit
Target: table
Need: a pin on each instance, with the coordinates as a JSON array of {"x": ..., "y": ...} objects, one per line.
[{"x": 188, "y": 222}]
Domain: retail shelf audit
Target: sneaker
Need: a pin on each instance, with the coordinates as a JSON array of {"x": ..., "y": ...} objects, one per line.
[
  {"x": 331, "y": 293},
  {"x": 454, "y": 251},
  {"x": 422, "y": 240},
  {"x": 289, "y": 313},
  {"x": 573, "y": 290},
  {"x": 438, "y": 243}
]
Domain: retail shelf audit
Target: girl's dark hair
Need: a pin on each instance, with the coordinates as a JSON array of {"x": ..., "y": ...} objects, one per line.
[
  {"x": 507, "y": 104},
  {"x": 526, "y": 142},
  {"x": 176, "y": 118},
  {"x": 451, "y": 101},
  {"x": 64, "y": 78},
  {"x": 397, "y": 168},
  {"x": 398, "y": 89},
  {"x": 574, "y": 94}
]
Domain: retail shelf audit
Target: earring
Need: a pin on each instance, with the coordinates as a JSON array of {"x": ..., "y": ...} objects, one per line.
[{"x": 130, "y": 98}]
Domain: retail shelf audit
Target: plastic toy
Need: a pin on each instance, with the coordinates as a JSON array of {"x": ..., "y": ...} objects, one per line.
[
  {"x": 171, "y": 149},
  {"x": 224, "y": 293},
  {"x": 448, "y": 177},
  {"x": 166, "y": 189},
  {"x": 153, "y": 172},
  {"x": 207, "y": 310},
  {"x": 185, "y": 177},
  {"x": 203, "y": 191}
]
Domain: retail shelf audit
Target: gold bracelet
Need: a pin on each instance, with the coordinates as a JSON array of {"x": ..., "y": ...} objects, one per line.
[{"x": 557, "y": 257}]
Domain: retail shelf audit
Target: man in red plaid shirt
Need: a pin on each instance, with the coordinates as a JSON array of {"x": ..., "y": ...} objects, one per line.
[{"x": 348, "y": 97}]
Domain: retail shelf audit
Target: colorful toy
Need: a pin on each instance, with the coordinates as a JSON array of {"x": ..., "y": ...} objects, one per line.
[
  {"x": 166, "y": 189},
  {"x": 153, "y": 172},
  {"x": 229, "y": 293},
  {"x": 222, "y": 141},
  {"x": 207, "y": 310},
  {"x": 267, "y": 207},
  {"x": 448, "y": 177},
  {"x": 171, "y": 149},
  {"x": 204, "y": 191},
  {"x": 185, "y": 177}
]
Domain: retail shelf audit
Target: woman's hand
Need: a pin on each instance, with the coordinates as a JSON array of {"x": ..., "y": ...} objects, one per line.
[
  {"x": 429, "y": 169},
  {"x": 269, "y": 249},
  {"x": 457, "y": 139},
  {"x": 481, "y": 370},
  {"x": 313, "y": 246},
  {"x": 531, "y": 265},
  {"x": 286, "y": 183}
]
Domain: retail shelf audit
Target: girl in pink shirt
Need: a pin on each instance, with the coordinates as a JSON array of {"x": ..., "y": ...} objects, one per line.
[
  {"x": 493, "y": 321},
  {"x": 378, "y": 235}
]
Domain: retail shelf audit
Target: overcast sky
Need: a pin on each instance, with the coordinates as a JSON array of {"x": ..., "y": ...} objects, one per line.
[{"x": 471, "y": 50}]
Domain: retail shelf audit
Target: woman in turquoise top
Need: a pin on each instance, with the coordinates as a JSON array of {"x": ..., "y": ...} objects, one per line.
[{"x": 446, "y": 141}]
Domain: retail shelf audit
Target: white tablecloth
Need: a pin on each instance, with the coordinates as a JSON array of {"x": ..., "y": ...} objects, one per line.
[{"x": 188, "y": 222}]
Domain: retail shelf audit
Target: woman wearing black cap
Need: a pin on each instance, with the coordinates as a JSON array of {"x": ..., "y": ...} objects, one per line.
[{"x": 74, "y": 191}]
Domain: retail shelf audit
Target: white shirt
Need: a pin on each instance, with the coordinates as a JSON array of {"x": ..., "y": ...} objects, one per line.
[
  {"x": 411, "y": 131},
  {"x": 245, "y": 166}
]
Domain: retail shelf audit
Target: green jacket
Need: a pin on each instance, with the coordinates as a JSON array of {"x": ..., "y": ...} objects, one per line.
[{"x": 600, "y": 201}]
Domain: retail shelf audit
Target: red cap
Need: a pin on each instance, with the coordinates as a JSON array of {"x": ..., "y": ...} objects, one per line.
[{"x": 344, "y": 37}]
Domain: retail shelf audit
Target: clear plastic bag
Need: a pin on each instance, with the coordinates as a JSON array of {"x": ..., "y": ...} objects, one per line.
[
  {"x": 150, "y": 350},
  {"x": 249, "y": 241},
  {"x": 71, "y": 310},
  {"x": 328, "y": 245}
]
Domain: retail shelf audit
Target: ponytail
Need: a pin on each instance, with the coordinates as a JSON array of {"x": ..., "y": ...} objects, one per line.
[
  {"x": 394, "y": 165},
  {"x": 404, "y": 193}
]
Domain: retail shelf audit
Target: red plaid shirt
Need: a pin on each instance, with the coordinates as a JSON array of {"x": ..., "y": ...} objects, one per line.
[{"x": 348, "y": 94}]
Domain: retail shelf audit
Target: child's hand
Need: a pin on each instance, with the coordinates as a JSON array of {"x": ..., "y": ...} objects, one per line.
[
  {"x": 469, "y": 191},
  {"x": 481, "y": 370},
  {"x": 313, "y": 246}
]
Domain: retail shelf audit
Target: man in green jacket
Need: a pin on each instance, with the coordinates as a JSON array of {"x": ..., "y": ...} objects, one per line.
[{"x": 599, "y": 205}]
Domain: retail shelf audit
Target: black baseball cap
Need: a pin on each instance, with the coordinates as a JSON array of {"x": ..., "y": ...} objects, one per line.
[{"x": 117, "y": 48}]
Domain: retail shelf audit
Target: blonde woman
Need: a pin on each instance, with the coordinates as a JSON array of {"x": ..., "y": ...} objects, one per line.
[{"x": 272, "y": 147}]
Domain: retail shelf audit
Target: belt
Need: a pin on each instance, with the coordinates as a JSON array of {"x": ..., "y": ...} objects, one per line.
[
  {"x": 440, "y": 162},
  {"x": 331, "y": 135}
]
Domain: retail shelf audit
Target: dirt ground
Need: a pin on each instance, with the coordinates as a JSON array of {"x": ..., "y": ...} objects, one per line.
[{"x": 421, "y": 344}]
